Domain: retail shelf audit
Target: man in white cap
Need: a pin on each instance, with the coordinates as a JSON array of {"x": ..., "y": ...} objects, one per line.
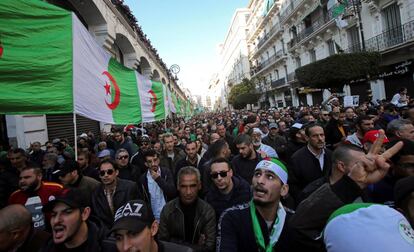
[
  {"x": 259, "y": 225},
  {"x": 264, "y": 149}
]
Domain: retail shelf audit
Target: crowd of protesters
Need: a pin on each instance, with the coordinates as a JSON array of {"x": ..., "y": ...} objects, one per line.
[{"x": 311, "y": 178}]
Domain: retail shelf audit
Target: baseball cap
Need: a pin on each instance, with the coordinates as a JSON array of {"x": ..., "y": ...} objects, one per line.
[
  {"x": 73, "y": 197},
  {"x": 402, "y": 189},
  {"x": 104, "y": 153},
  {"x": 372, "y": 135},
  {"x": 66, "y": 167},
  {"x": 273, "y": 126},
  {"x": 134, "y": 216}
]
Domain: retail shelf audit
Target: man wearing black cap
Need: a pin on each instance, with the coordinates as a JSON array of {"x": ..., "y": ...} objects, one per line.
[
  {"x": 135, "y": 229},
  {"x": 71, "y": 229},
  {"x": 69, "y": 175}
]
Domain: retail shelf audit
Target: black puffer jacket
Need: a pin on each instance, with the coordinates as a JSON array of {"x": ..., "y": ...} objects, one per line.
[{"x": 165, "y": 182}]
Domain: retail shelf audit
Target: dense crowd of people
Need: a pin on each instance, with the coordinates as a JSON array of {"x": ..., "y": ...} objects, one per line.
[{"x": 312, "y": 178}]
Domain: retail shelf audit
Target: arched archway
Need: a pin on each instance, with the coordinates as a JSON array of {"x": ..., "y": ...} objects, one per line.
[
  {"x": 145, "y": 67},
  {"x": 124, "y": 51},
  {"x": 155, "y": 75}
]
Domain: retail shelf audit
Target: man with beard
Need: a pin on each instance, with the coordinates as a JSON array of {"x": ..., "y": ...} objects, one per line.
[
  {"x": 121, "y": 141},
  {"x": 85, "y": 167},
  {"x": 259, "y": 225},
  {"x": 310, "y": 162},
  {"x": 263, "y": 149},
  {"x": 245, "y": 163},
  {"x": 138, "y": 159},
  {"x": 36, "y": 155},
  {"x": 193, "y": 158},
  {"x": 336, "y": 131},
  {"x": 363, "y": 124},
  {"x": 34, "y": 193},
  {"x": 71, "y": 229},
  {"x": 112, "y": 193},
  {"x": 157, "y": 183}
]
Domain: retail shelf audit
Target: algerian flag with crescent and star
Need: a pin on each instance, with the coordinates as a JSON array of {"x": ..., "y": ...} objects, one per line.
[{"x": 50, "y": 63}]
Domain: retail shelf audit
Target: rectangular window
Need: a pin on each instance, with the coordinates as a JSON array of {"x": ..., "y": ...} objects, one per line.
[
  {"x": 393, "y": 33},
  {"x": 331, "y": 47},
  {"x": 353, "y": 39},
  {"x": 298, "y": 62},
  {"x": 312, "y": 55}
]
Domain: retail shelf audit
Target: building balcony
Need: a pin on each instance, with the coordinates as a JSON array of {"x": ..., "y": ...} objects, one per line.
[
  {"x": 270, "y": 36},
  {"x": 389, "y": 39},
  {"x": 278, "y": 83},
  {"x": 313, "y": 29},
  {"x": 279, "y": 55},
  {"x": 262, "y": 21}
]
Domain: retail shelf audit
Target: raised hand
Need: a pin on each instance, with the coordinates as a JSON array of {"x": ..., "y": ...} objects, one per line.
[{"x": 373, "y": 166}]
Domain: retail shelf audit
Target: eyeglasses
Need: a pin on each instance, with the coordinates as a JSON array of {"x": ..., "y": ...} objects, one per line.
[
  {"x": 109, "y": 172},
  {"x": 123, "y": 157},
  {"x": 222, "y": 174}
]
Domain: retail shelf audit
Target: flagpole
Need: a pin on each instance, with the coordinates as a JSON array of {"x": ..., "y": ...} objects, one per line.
[{"x": 76, "y": 134}]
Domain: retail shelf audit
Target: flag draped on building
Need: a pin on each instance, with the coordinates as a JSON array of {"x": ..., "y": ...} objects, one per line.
[{"x": 50, "y": 63}]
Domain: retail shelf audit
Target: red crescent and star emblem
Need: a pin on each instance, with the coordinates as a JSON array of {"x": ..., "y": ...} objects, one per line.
[
  {"x": 153, "y": 100},
  {"x": 117, "y": 96},
  {"x": 1, "y": 48}
]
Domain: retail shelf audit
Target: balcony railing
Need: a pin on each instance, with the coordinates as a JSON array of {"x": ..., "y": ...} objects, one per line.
[
  {"x": 286, "y": 12},
  {"x": 395, "y": 36},
  {"x": 319, "y": 22},
  {"x": 279, "y": 82},
  {"x": 272, "y": 31},
  {"x": 392, "y": 37}
]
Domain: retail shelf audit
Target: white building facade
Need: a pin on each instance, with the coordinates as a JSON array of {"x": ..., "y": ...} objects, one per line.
[{"x": 287, "y": 34}]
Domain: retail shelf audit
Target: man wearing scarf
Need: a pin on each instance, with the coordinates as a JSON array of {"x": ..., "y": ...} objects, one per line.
[{"x": 259, "y": 225}]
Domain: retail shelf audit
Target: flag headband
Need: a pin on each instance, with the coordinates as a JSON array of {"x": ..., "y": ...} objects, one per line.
[{"x": 274, "y": 165}]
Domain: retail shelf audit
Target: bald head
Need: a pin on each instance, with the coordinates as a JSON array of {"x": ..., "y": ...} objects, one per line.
[
  {"x": 15, "y": 226},
  {"x": 13, "y": 217}
]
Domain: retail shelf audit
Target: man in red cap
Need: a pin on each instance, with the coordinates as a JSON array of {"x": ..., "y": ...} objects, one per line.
[{"x": 369, "y": 139}]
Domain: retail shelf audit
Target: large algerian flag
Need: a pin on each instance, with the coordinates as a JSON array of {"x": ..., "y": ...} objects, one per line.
[{"x": 50, "y": 63}]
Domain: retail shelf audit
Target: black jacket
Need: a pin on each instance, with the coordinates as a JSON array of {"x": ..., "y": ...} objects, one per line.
[
  {"x": 138, "y": 160},
  {"x": 172, "y": 226},
  {"x": 169, "y": 163},
  {"x": 91, "y": 172},
  {"x": 333, "y": 135},
  {"x": 184, "y": 162},
  {"x": 235, "y": 231},
  {"x": 130, "y": 172},
  {"x": 9, "y": 182},
  {"x": 165, "y": 182},
  {"x": 240, "y": 194},
  {"x": 305, "y": 168},
  {"x": 125, "y": 191},
  {"x": 96, "y": 242},
  {"x": 312, "y": 214},
  {"x": 279, "y": 143},
  {"x": 244, "y": 167}
]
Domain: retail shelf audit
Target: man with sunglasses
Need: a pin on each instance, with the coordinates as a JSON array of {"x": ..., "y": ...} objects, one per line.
[
  {"x": 227, "y": 190},
  {"x": 126, "y": 169},
  {"x": 112, "y": 193}
]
